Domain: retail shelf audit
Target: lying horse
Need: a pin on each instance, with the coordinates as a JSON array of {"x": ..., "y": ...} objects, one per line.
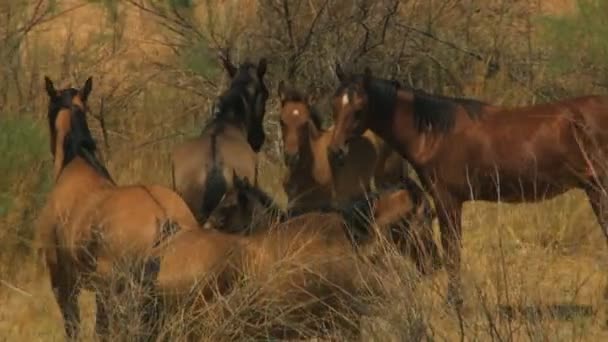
[
  {"x": 202, "y": 167},
  {"x": 466, "y": 150},
  {"x": 89, "y": 225},
  {"x": 399, "y": 214},
  {"x": 298, "y": 263},
  {"x": 311, "y": 179}
]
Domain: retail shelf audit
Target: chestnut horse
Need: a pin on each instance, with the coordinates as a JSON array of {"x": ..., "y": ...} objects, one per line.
[
  {"x": 89, "y": 224},
  {"x": 203, "y": 167},
  {"x": 311, "y": 179},
  {"x": 466, "y": 150}
]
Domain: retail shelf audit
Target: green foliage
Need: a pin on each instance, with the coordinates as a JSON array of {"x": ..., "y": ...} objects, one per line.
[
  {"x": 199, "y": 59},
  {"x": 22, "y": 143},
  {"x": 579, "y": 41}
]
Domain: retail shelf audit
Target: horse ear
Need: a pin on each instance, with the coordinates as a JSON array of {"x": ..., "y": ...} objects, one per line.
[
  {"x": 339, "y": 72},
  {"x": 50, "y": 88},
  {"x": 230, "y": 68},
  {"x": 281, "y": 90},
  {"x": 314, "y": 94},
  {"x": 262, "y": 64},
  {"x": 86, "y": 90},
  {"x": 310, "y": 98}
]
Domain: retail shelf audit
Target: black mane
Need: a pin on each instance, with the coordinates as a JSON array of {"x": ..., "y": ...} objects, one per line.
[
  {"x": 232, "y": 103},
  {"x": 431, "y": 112},
  {"x": 79, "y": 141},
  {"x": 231, "y": 106},
  {"x": 252, "y": 192},
  {"x": 438, "y": 112}
]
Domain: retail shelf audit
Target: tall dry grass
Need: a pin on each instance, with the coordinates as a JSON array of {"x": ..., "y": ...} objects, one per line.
[{"x": 545, "y": 259}]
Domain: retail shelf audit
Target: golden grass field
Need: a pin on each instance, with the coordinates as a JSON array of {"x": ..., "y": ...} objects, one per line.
[{"x": 547, "y": 255}]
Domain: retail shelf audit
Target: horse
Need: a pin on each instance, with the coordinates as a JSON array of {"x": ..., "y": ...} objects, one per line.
[
  {"x": 465, "y": 150},
  {"x": 296, "y": 261},
  {"x": 310, "y": 178},
  {"x": 89, "y": 225},
  {"x": 202, "y": 167},
  {"x": 399, "y": 214},
  {"x": 295, "y": 265}
]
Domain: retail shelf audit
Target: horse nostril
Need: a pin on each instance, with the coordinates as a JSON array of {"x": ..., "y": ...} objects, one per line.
[{"x": 338, "y": 156}]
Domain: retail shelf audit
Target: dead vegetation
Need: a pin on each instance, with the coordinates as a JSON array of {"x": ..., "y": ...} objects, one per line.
[{"x": 156, "y": 75}]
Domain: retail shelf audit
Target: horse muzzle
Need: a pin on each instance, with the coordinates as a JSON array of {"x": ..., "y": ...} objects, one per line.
[{"x": 338, "y": 156}]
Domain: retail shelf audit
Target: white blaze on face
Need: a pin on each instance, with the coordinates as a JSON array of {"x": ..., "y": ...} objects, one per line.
[
  {"x": 345, "y": 99},
  {"x": 296, "y": 112}
]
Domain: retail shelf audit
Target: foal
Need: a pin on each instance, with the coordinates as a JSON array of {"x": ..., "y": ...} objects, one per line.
[
  {"x": 466, "y": 150},
  {"x": 203, "y": 167},
  {"x": 89, "y": 225},
  {"x": 311, "y": 179}
]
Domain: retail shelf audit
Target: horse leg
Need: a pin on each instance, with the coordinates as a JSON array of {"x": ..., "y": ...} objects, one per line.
[
  {"x": 150, "y": 305},
  {"x": 599, "y": 203},
  {"x": 449, "y": 215},
  {"x": 66, "y": 293},
  {"x": 102, "y": 322}
]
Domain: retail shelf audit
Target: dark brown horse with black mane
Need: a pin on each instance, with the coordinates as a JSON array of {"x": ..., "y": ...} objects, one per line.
[
  {"x": 203, "y": 167},
  {"x": 467, "y": 150}
]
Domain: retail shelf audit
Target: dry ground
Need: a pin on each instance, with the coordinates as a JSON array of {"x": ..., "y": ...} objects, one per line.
[{"x": 551, "y": 254}]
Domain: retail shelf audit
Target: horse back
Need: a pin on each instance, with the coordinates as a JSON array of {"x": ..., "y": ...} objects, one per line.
[
  {"x": 224, "y": 148},
  {"x": 199, "y": 256}
]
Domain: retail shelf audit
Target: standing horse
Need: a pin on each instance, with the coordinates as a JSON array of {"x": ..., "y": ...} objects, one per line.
[
  {"x": 311, "y": 179},
  {"x": 89, "y": 224},
  {"x": 466, "y": 150},
  {"x": 203, "y": 167}
]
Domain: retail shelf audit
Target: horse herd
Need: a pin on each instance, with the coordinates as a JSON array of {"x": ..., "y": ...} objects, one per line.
[{"x": 347, "y": 188}]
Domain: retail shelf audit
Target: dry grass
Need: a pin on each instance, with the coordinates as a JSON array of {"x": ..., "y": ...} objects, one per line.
[{"x": 548, "y": 255}]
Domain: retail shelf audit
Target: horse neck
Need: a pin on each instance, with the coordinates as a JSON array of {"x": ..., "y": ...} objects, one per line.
[
  {"x": 84, "y": 166},
  {"x": 320, "y": 167},
  {"x": 398, "y": 130}
]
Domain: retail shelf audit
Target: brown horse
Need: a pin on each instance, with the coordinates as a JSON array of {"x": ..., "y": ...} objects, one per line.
[
  {"x": 311, "y": 179},
  {"x": 89, "y": 224},
  {"x": 467, "y": 150},
  {"x": 400, "y": 214},
  {"x": 203, "y": 167},
  {"x": 298, "y": 263}
]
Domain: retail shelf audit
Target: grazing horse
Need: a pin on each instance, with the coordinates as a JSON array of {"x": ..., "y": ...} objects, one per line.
[
  {"x": 467, "y": 150},
  {"x": 311, "y": 179},
  {"x": 203, "y": 167},
  {"x": 89, "y": 224}
]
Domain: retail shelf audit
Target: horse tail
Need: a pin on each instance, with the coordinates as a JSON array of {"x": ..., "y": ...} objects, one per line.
[{"x": 216, "y": 187}]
